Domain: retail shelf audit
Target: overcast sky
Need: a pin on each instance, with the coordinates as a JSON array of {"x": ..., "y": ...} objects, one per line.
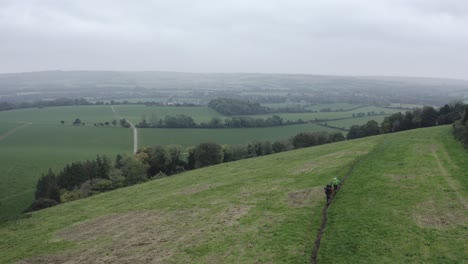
[{"x": 349, "y": 37}]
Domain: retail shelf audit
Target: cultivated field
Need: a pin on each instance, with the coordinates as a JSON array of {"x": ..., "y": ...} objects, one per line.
[
  {"x": 31, "y": 150},
  {"x": 347, "y": 123},
  {"x": 333, "y": 106},
  {"x": 191, "y": 137},
  {"x": 88, "y": 114},
  {"x": 330, "y": 115},
  {"x": 134, "y": 113}
]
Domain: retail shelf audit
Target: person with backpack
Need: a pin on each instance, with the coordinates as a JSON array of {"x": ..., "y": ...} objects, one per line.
[
  {"x": 328, "y": 192},
  {"x": 336, "y": 184}
]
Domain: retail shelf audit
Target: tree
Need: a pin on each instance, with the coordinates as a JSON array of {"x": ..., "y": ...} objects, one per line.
[
  {"x": 77, "y": 121},
  {"x": 46, "y": 187},
  {"x": 428, "y": 116},
  {"x": 62, "y": 122},
  {"x": 133, "y": 170},
  {"x": 206, "y": 154},
  {"x": 303, "y": 140},
  {"x": 114, "y": 122}
]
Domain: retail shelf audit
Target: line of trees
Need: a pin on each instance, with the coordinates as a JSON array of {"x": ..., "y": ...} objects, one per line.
[
  {"x": 82, "y": 179},
  {"x": 418, "y": 118},
  {"x": 229, "y": 106},
  {"x": 184, "y": 121},
  {"x": 460, "y": 128}
]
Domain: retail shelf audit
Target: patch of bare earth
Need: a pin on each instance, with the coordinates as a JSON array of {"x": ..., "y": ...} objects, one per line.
[
  {"x": 132, "y": 237},
  {"x": 434, "y": 215},
  {"x": 232, "y": 215},
  {"x": 402, "y": 180},
  {"x": 140, "y": 236},
  {"x": 199, "y": 188},
  {"x": 324, "y": 161},
  {"x": 306, "y": 167},
  {"x": 305, "y": 197},
  {"x": 346, "y": 153}
]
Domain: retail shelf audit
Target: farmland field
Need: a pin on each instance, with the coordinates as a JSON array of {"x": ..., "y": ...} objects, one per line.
[
  {"x": 191, "y": 137},
  {"x": 5, "y": 127},
  {"x": 330, "y": 115},
  {"x": 333, "y": 106},
  {"x": 134, "y": 113},
  {"x": 30, "y": 151},
  {"x": 88, "y": 114},
  {"x": 408, "y": 106},
  {"x": 347, "y": 123}
]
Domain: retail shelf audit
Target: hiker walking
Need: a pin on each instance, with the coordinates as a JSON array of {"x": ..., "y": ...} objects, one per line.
[
  {"x": 336, "y": 184},
  {"x": 328, "y": 192}
]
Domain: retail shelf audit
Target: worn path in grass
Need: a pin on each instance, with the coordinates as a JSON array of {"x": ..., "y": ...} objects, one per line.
[
  {"x": 12, "y": 131},
  {"x": 406, "y": 204},
  {"x": 327, "y": 205},
  {"x": 135, "y": 131}
]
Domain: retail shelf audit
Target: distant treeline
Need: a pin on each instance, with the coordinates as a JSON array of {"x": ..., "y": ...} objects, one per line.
[
  {"x": 228, "y": 106},
  {"x": 184, "y": 121},
  {"x": 82, "y": 179},
  {"x": 421, "y": 117},
  {"x": 4, "y": 106}
]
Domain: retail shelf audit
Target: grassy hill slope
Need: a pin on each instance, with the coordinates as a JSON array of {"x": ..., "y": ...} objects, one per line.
[
  {"x": 406, "y": 203},
  {"x": 265, "y": 209},
  {"x": 268, "y": 209}
]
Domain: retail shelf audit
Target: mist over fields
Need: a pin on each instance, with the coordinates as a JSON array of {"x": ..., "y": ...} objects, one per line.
[{"x": 103, "y": 85}]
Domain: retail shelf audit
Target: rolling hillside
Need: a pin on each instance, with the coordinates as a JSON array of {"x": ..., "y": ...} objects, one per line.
[{"x": 405, "y": 201}]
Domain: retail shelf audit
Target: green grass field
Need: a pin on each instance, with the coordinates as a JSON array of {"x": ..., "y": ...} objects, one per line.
[
  {"x": 31, "y": 150},
  {"x": 330, "y": 115},
  {"x": 191, "y": 137},
  {"x": 257, "y": 210},
  {"x": 405, "y": 202},
  {"x": 333, "y": 106},
  {"x": 134, "y": 113},
  {"x": 5, "y": 127},
  {"x": 409, "y": 106},
  {"x": 88, "y": 114},
  {"x": 347, "y": 123}
]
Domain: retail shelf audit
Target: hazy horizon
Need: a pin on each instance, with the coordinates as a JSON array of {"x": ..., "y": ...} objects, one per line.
[{"x": 357, "y": 38}]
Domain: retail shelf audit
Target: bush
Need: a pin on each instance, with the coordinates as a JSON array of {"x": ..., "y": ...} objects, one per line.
[
  {"x": 68, "y": 196},
  {"x": 41, "y": 203}
]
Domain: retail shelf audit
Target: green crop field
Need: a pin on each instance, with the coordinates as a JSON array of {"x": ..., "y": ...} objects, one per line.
[
  {"x": 191, "y": 137},
  {"x": 330, "y": 115},
  {"x": 134, "y": 113},
  {"x": 88, "y": 114},
  {"x": 31, "y": 150},
  {"x": 405, "y": 202},
  {"x": 5, "y": 127},
  {"x": 333, "y": 106},
  {"x": 408, "y": 106},
  {"x": 347, "y": 123}
]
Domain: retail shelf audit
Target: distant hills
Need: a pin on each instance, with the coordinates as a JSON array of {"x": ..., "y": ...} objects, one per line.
[{"x": 26, "y": 86}]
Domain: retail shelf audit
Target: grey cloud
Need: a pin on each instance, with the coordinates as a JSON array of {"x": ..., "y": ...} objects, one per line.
[{"x": 348, "y": 37}]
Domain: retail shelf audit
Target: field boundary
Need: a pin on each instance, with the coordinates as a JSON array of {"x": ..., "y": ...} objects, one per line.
[
  {"x": 379, "y": 147},
  {"x": 12, "y": 131}
]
